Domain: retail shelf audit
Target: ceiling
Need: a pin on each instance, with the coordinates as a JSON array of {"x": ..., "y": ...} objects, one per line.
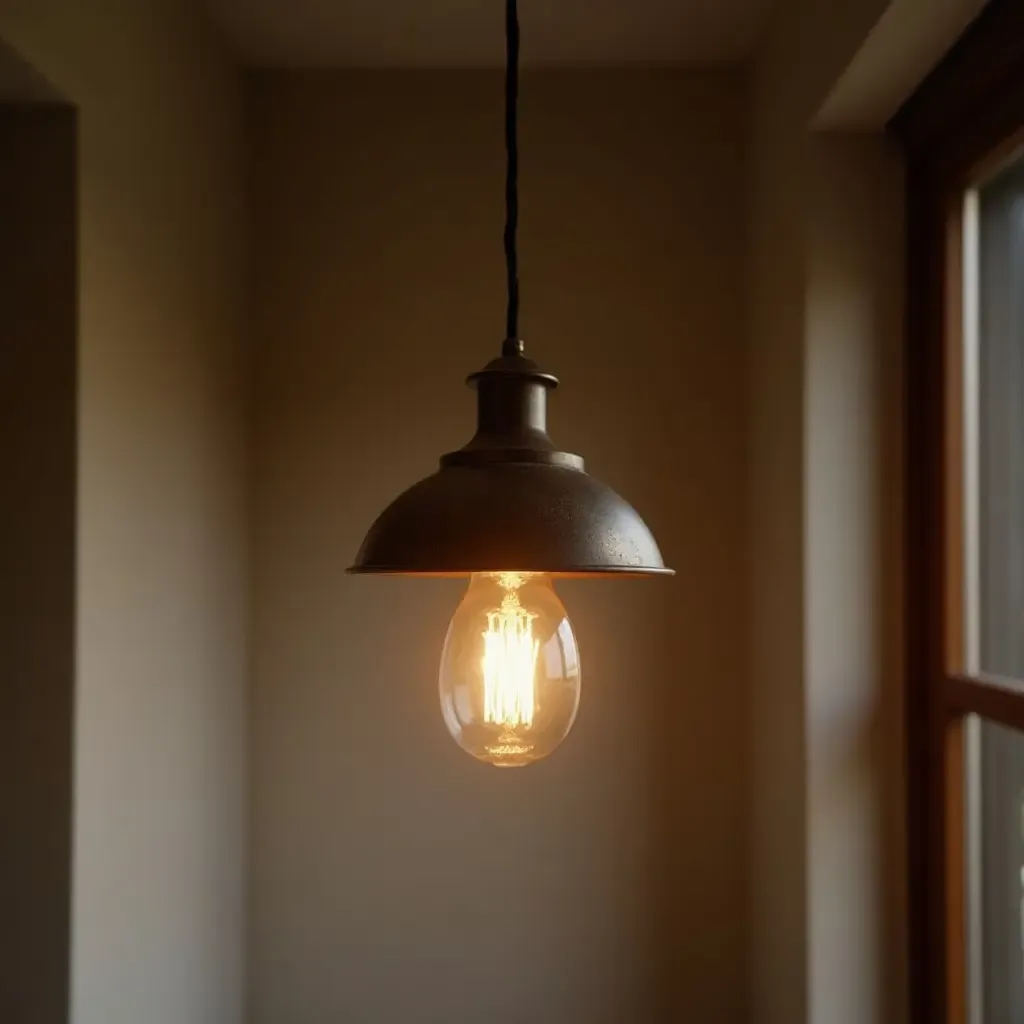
[{"x": 468, "y": 33}]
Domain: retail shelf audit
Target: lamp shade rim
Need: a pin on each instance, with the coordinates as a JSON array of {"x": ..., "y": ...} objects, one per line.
[{"x": 572, "y": 572}]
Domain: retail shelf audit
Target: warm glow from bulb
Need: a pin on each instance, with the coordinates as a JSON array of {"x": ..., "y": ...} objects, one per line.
[
  {"x": 510, "y": 677},
  {"x": 509, "y": 661}
]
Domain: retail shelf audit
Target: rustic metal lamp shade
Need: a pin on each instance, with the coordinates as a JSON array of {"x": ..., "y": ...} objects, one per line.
[{"x": 509, "y": 500}]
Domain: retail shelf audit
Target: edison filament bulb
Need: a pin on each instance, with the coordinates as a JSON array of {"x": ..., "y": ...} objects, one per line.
[{"x": 510, "y": 672}]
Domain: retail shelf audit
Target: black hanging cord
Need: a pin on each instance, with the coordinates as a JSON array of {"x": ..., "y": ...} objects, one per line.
[{"x": 512, "y": 344}]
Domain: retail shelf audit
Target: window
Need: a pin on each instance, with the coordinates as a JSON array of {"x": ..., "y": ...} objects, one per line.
[
  {"x": 964, "y": 136},
  {"x": 993, "y": 532}
]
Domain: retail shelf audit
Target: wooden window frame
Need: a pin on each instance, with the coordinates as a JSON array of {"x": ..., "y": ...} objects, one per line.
[{"x": 967, "y": 113}]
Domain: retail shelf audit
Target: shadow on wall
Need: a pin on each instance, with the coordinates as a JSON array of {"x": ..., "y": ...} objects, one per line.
[{"x": 38, "y": 358}]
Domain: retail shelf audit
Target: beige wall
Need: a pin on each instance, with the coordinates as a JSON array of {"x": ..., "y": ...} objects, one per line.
[
  {"x": 825, "y": 289},
  {"x": 852, "y": 548},
  {"x": 393, "y": 878},
  {"x": 827, "y": 854},
  {"x": 158, "y": 756}
]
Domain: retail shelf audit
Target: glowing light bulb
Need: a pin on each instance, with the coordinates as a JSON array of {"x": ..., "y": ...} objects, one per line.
[{"x": 510, "y": 672}]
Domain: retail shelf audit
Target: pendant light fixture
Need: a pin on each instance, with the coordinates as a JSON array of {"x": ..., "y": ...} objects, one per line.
[{"x": 511, "y": 512}]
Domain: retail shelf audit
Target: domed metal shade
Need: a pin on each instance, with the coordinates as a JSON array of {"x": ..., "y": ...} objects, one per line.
[{"x": 510, "y": 500}]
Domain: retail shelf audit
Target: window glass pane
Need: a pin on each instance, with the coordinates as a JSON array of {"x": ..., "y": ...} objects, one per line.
[
  {"x": 995, "y": 860},
  {"x": 994, "y": 424}
]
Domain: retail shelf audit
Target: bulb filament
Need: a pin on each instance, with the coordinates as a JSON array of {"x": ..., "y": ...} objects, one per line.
[{"x": 509, "y": 662}]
